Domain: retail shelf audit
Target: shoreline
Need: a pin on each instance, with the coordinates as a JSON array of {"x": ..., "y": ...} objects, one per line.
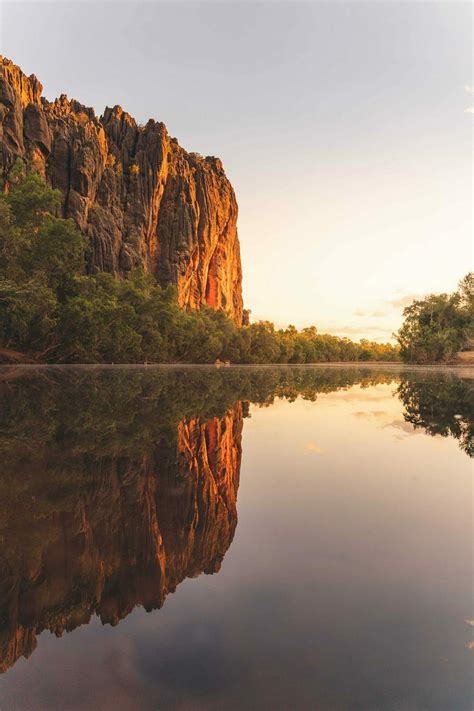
[{"x": 326, "y": 364}]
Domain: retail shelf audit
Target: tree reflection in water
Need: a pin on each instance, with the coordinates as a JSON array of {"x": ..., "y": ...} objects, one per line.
[{"x": 441, "y": 406}]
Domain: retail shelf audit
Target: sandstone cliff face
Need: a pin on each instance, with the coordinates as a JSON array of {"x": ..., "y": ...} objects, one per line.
[
  {"x": 140, "y": 198},
  {"x": 114, "y": 532}
]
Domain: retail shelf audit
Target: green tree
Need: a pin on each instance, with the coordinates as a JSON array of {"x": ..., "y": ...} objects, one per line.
[{"x": 438, "y": 326}]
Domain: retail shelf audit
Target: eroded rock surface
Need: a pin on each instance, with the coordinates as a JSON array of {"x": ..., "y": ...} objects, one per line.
[{"x": 140, "y": 198}]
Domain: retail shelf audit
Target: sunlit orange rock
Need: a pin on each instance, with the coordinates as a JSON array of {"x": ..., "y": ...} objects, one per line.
[{"x": 140, "y": 198}]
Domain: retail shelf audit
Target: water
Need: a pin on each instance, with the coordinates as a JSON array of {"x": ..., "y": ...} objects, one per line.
[{"x": 241, "y": 538}]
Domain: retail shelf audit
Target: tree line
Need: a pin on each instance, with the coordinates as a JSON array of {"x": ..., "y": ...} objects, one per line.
[{"x": 53, "y": 311}]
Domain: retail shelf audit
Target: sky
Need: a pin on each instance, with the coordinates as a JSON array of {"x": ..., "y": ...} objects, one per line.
[{"x": 344, "y": 127}]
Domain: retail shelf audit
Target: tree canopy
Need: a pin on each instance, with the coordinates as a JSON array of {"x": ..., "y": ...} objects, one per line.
[{"x": 437, "y": 327}]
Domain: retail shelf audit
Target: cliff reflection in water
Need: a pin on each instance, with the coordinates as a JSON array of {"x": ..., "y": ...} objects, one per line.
[
  {"x": 108, "y": 502},
  {"x": 117, "y": 484}
]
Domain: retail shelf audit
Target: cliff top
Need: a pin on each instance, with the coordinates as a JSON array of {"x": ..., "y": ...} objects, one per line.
[{"x": 30, "y": 91}]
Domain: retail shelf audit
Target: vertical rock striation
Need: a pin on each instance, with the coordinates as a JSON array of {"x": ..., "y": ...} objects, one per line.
[{"x": 139, "y": 197}]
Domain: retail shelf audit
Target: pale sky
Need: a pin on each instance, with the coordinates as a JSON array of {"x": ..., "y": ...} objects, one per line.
[{"x": 345, "y": 128}]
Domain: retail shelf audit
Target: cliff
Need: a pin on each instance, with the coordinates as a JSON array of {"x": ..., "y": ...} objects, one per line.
[{"x": 139, "y": 197}]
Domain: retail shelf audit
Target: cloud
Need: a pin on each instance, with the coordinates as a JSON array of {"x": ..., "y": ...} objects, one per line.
[
  {"x": 348, "y": 330},
  {"x": 361, "y": 395},
  {"x": 373, "y": 314},
  {"x": 403, "y": 301},
  {"x": 380, "y": 333},
  {"x": 470, "y": 90},
  {"x": 404, "y": 426},
  {"x": 383, "y": 419},
  {"x": 370, "y": 414}
]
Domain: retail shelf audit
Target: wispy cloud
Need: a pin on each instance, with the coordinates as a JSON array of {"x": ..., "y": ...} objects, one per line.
[
  {"x": 360, "y": 329},
  {"x": 403, "y": 301},
  {"x": 373, "y": 314},
  {"x": 470, "y": 90},
  {"x": 370, "y": 414},
  {"x": 404, "y": 426}
]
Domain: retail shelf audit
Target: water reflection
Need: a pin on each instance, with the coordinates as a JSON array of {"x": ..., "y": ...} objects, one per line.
[
  {"x": 440, "y": 406},
  {"x": 117, "y": 484},
  {"x": 90, "y": 527}
]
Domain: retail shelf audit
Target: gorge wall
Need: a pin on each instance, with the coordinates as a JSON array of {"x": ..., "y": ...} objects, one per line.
[{"x": 141, "y": 199}]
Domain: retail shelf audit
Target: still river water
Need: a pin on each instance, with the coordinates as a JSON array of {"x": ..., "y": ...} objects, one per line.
[{"x": 237, "y": 538}]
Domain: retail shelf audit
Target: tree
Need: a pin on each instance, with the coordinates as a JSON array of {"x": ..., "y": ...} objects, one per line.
[
  {"x": 438, "y": 326},
  {"x": 465, "y": 296}
]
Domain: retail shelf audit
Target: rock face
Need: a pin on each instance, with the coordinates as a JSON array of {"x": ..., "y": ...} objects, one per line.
[
  {"x": 113, "y": 532},
  {"x": 139, "y": 197}
]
